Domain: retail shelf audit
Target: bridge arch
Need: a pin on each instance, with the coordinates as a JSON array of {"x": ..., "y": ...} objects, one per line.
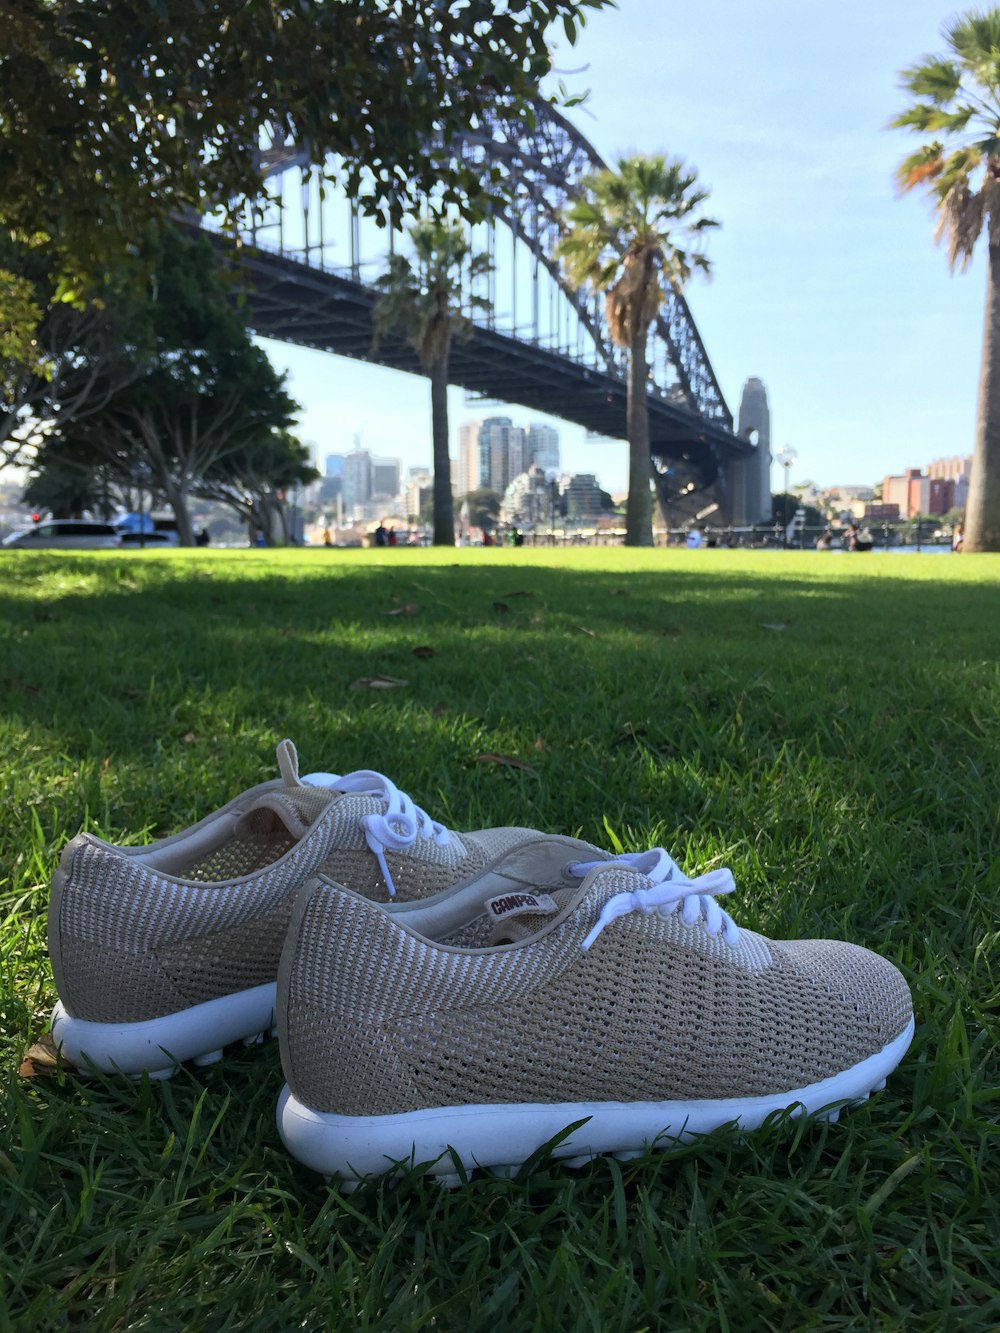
[{"x": 297, "y": 295}]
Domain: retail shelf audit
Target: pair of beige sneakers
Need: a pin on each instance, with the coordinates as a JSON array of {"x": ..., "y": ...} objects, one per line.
[{"x": 455, "y": 998}]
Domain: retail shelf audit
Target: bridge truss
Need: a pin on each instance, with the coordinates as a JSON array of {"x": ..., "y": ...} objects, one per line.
[{"x": 311, "y": 259}]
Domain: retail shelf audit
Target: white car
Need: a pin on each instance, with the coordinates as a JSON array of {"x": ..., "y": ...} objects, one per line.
[{"x": 64, "y": 534}]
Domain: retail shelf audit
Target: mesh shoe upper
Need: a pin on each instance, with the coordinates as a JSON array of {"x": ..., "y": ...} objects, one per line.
[
  {"x": 377, "y": 1018},
  {"x": 138, "y": 932}
]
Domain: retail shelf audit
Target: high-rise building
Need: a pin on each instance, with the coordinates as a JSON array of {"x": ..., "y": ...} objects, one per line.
[
  {"x": 470, "y": 476},
  {"x": 385, "y": 478},
  {"x": 748, "y": 480},
  {"x": 542, "y": 447},
  {"x": 357, "y": 479},
  {"x": 501, "y": 452}
]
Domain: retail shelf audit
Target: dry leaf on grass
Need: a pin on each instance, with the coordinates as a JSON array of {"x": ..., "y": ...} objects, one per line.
[
  {"x": 582, "y": 629},
  {"x": 407, "y": 609},
  {"x": 378, "y": 683},
  {"x": 423, "y": 650},
  {"x": 43, "y": 1058},
  {"x": 507, "y": 761}
]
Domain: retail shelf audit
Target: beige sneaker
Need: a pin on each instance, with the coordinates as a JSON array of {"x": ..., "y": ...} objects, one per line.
[
  {"x": 475, "y": 1028},
  {"x": 169, "y": 952}
]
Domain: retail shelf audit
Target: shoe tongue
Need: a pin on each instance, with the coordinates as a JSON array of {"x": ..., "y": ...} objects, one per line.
[{"x": 514, "y": 916}]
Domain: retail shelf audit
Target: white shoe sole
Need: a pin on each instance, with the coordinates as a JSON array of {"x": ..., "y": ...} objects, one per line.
[
  {"x": 502, "y": 1137},
  {"x": 159, "y": 1045}
]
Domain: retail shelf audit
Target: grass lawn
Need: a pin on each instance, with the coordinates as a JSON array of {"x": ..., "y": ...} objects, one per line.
[{"x": 826, "y": 725}]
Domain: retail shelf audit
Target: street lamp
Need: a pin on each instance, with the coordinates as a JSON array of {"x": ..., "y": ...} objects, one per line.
[{"x": 786, "y": 458}]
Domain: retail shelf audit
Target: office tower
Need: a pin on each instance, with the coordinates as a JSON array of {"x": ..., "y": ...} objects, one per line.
[
  {"x": 357, "y": 479},
  {"x": 542, "y": 447},
  {"x": 385, "y": 478},
  {"x": 469, "y": 475},
  {"x": 501, "y": 452}
]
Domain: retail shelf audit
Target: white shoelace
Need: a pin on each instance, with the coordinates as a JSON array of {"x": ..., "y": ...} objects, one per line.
[
  {"x": 671, "y": 889},
  {"x": 397, "y": 827}
]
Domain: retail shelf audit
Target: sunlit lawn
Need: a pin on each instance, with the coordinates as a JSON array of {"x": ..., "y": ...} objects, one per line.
[{"x": 827, "y": 725}]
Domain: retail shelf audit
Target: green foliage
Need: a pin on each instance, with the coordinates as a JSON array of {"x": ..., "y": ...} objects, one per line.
[
  {"x": 644, "y": 210},
  {"x": 200, "y": 399},
  {"x": 828, "y": 727},
  {"x": 962, "y": 93},
  {"x": 484, "y": 507},
  {"x": 64, "y": 488},
  {"x": 115, "y": 116},
  {"x": 251, "y": 478},
  {"x": 20, "y": 316},
  {"x": 424, "y": 296}
]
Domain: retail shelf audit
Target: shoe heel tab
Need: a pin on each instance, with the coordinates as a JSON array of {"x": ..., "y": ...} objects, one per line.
[{"x": 288, "y": 763}]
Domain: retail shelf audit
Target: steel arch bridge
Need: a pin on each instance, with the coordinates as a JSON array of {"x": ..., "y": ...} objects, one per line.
[{"x": 538, "y": 342}]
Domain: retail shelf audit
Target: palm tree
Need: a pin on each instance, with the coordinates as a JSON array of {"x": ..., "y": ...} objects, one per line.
[
  {"x": 425, "y": 300},
  {"x": 633, "y": 233},
  {"x": 959, "y": 100}
]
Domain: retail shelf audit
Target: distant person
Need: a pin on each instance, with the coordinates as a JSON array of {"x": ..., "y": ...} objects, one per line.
[
  {"x": 958, "y": 537},
  {"x": 392, "y": 539},
  {"x": 695, "y": 540},
  {"x": 203, "y": 537},
  {"x": 327, "y": 537},
  {"x": 488, "y": 538},
  {"x": 825, "y": 541},
  {"x": 381, "y": 534},
  {"x": 852, "y": 537}
]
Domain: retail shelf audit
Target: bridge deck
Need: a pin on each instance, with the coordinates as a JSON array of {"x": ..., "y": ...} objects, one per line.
[{"x": 298, "y": 304}]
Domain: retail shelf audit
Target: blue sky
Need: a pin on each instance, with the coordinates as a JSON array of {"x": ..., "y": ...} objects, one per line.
[{"x": 826, "y": 285}]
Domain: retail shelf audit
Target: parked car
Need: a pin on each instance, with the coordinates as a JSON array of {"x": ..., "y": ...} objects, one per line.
[
  {"x": 65, "y": 534},
  {"x": 133, "y": 524},
  {"x": 136, "y": 540}
]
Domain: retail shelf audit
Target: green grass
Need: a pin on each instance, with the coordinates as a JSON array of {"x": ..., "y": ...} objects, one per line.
[{"x": 827, "y": 726}]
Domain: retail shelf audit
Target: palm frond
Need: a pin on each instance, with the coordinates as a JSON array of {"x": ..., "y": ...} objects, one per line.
[
  {"x": 975, "y": 38},
  {"x": 923, "y": 165},
  {"x": 934, "y": 77},
  {"x": 956, "y": 170},
  {"x": 923, "y": 118},
  {"x": 961, "y": 221}
]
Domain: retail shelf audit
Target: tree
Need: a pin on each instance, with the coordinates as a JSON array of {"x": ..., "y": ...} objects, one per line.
[
  {"x": 201, "y": 391},
  {"x": 958, "y": 99},
  {"x": 632, "y": 233},
  {"x": 112, "y": 116},
  {"x": 484, "y": 507},
  {"x": 425, "y": 301},
  {"x": 252, "y": 480},
  {"x": 59, "y": 360}
]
